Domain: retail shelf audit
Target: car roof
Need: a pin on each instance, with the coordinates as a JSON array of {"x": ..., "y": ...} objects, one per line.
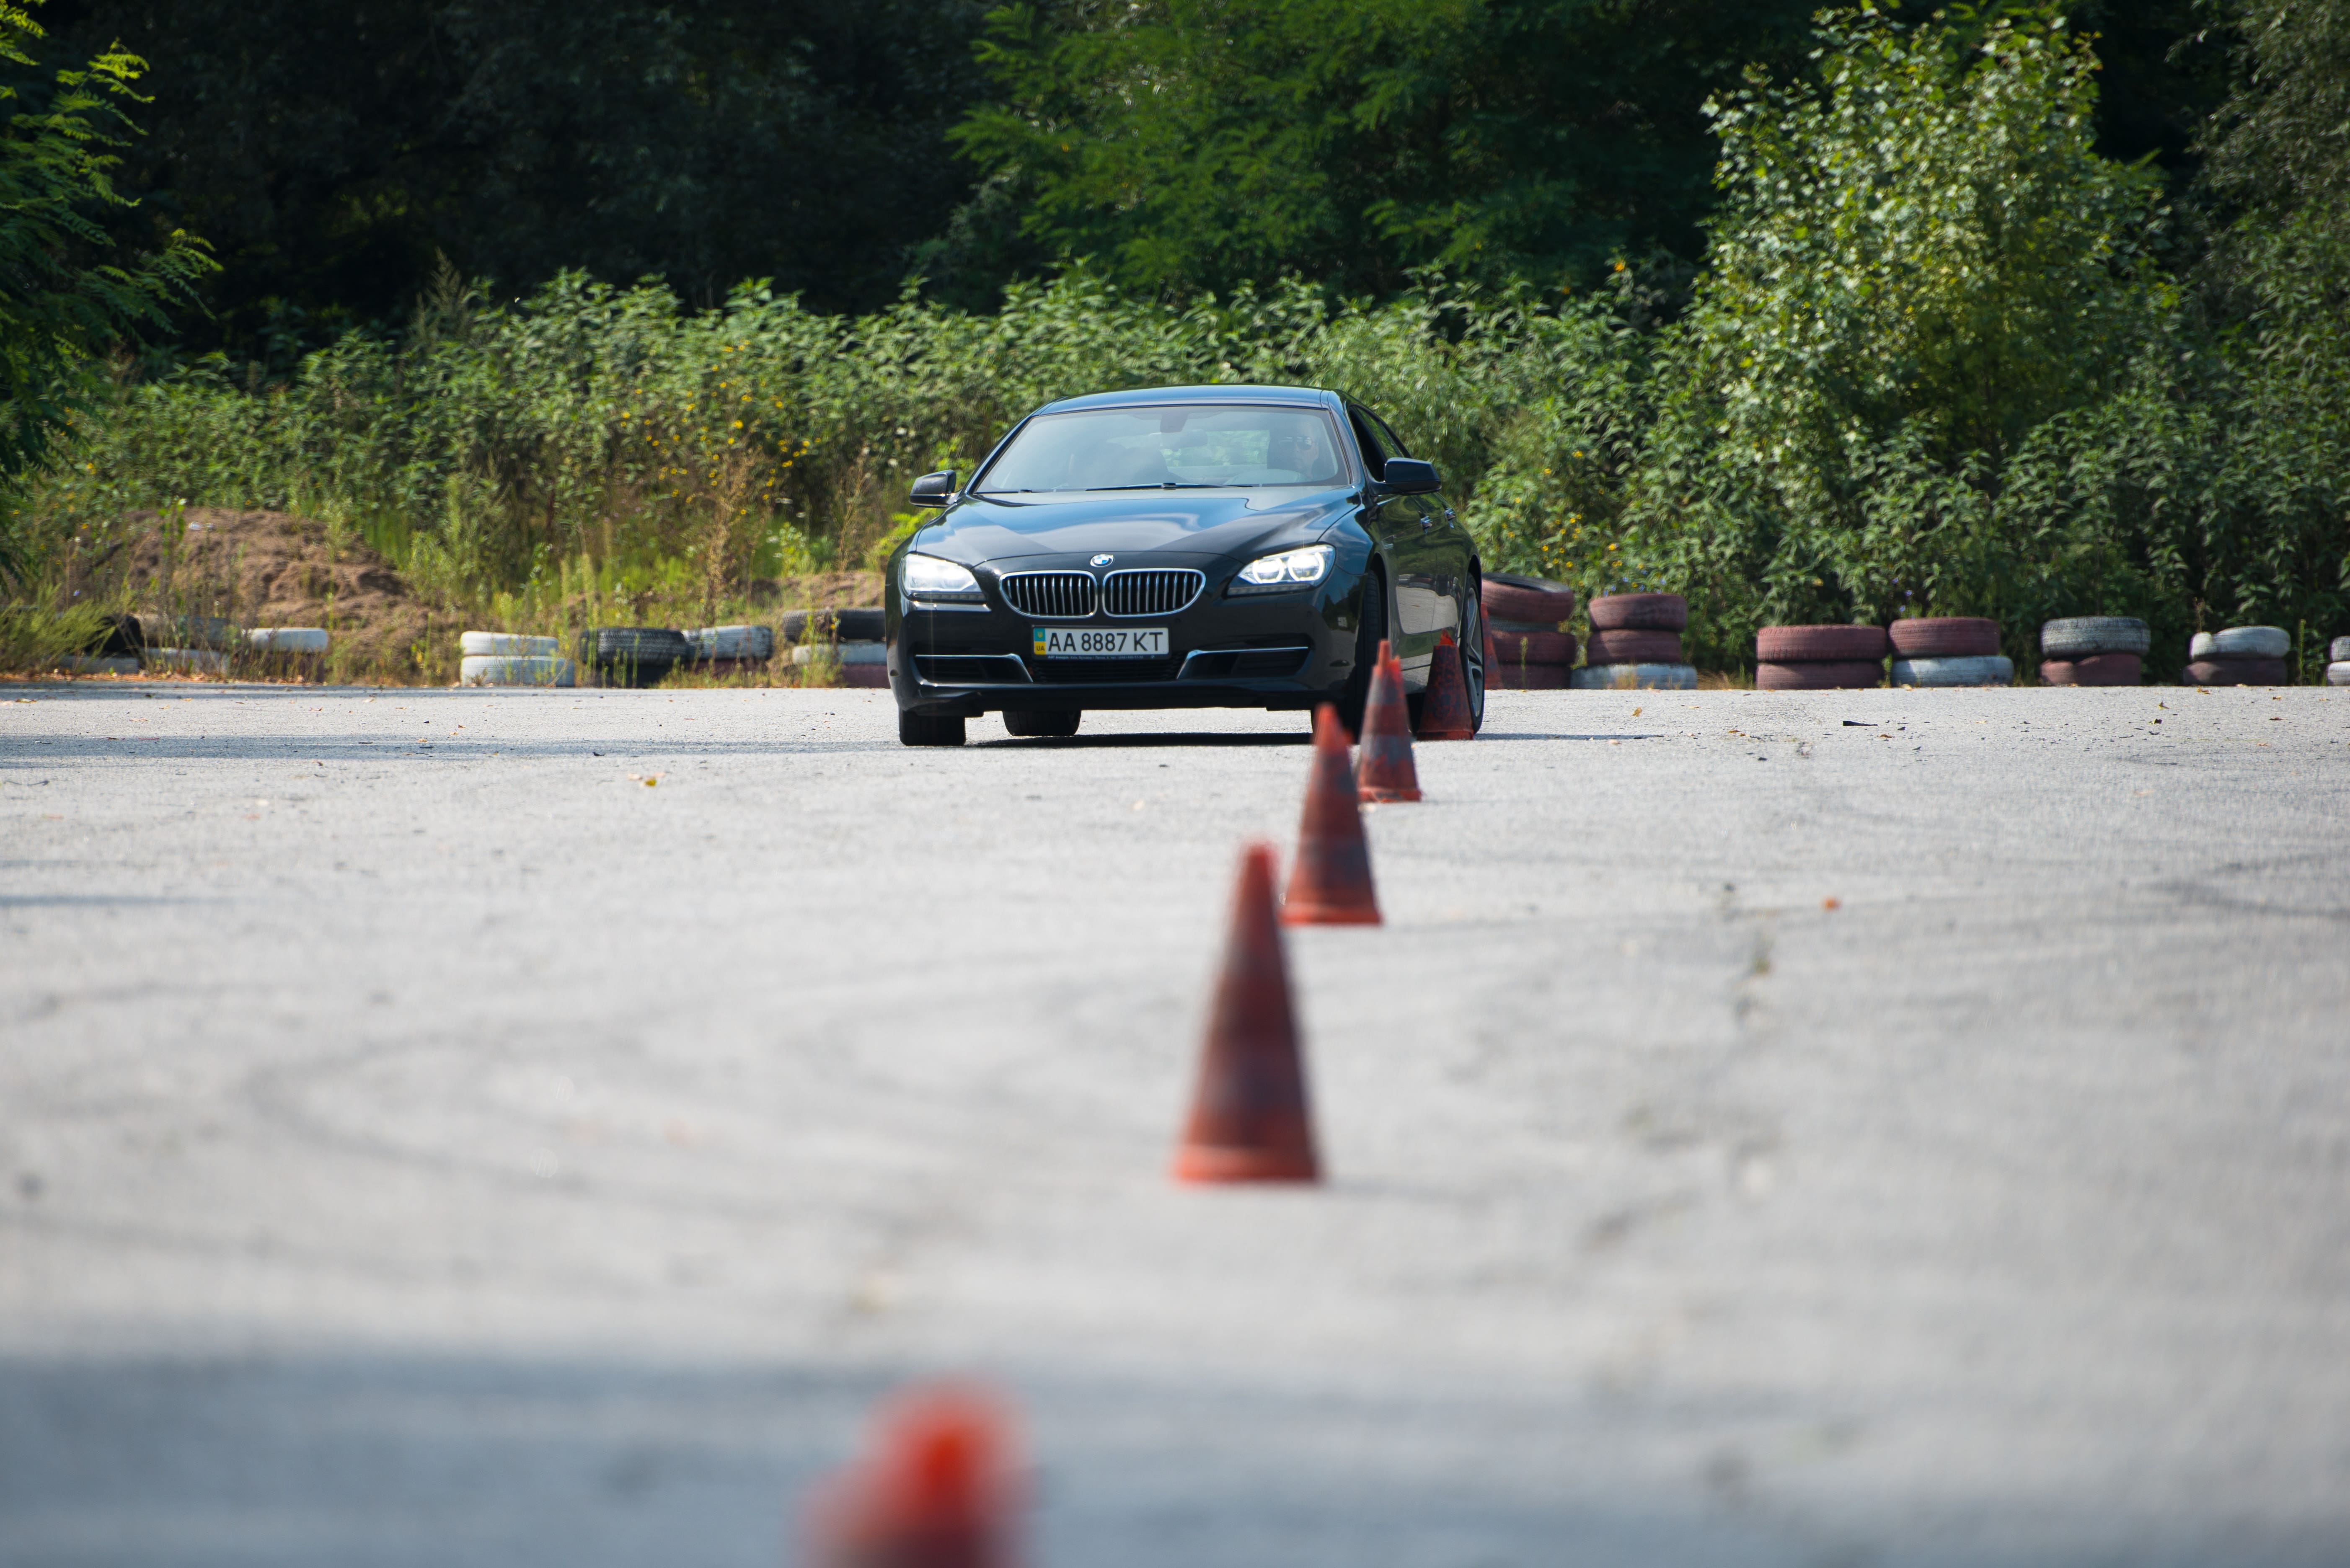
[{"x": 1315, "y": 396}]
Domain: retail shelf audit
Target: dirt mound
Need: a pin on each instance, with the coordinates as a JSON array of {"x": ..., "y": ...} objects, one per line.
[
  {"x": 819, "y": 590},
  {"x": 270, "y": 568}
]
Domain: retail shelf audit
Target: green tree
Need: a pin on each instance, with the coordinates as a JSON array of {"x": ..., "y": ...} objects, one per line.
[
  {"x": 62, "y": 304},
  {"x": 1190, "y": 145},
  {"x": 335, "y": 149},
  {"x": 2277, "y": 277},
  {"x": 1918, "y": 264}
]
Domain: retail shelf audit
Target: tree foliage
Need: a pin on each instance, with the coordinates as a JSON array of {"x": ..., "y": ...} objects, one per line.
[
  {"x": 1190, "y": 144},
  {"x": 62, "y": 304},
  {"x": 1934, "y": 366},
  {"x": 334, "y": 149}
]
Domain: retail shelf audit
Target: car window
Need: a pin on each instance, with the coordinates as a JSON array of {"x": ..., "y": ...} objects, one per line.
[
  {"x": 1375, "y": 457},
  {"x": 1395, "y": 445},
  {"x": 1157, "y": 445}
]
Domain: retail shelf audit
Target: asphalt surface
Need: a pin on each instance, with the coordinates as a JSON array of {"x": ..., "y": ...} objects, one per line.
[{"x": 1838, "y": 1129}]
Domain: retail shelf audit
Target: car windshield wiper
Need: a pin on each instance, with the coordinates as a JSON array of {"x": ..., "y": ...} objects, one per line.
[{"x": 1174, "y": 484}]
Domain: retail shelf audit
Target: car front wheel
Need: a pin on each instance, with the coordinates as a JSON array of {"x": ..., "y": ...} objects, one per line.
[
  {"x": 1041, "y": 724},
  {"x": 1370, "y": 631},
  {"x": 929, "y": 729}
]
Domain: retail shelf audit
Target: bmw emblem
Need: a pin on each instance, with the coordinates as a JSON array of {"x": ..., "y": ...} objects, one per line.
[{"x": 1101, "y": 560}]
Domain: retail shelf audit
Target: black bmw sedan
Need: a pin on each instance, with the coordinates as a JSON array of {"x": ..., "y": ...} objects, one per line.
[{"x": 1178, "y": 547}]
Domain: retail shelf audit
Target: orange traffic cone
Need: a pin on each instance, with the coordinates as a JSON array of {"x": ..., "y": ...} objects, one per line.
[
  {"x": 1385, "y": 772},
  {"x": 1444, "y": 708},
  {"x": 1250, "y": 1121},
  {"x": 937, "y": 1489},
  {"x": 1330, "y": 881}
]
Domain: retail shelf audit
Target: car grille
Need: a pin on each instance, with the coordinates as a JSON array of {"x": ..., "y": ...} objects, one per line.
[
  {"x": 1102, "y": 672},
  {"x": 1049, "y": 596},
  {"x": 1161, "y": 592}
]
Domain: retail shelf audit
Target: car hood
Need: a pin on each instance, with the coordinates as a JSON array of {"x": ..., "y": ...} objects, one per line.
[{"x": 1203, "y": 522}]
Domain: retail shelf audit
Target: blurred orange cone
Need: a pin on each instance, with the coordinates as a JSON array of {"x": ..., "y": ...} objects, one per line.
[
  {"x": 1250, "y": 1120},
  {"x": 1330, "y": 881},
  {"x": 1384, "y": 770},
  {"x": 935, "y": 1491},
  {"x": 1444, "y": 709}
]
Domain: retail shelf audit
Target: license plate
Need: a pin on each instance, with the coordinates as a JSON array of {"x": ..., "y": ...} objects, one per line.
[{"x": 1100, "y": 642}]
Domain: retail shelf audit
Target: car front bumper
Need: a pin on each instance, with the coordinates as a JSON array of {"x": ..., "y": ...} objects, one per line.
[{"x": 1288, "y": 649}]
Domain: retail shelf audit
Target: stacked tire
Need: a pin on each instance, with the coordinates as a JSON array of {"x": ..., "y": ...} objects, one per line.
[
  {"x": 2337, "y": 662},
  {"x": 632, "y": 656},
  {"x": 189, "y": 644},
  {"x": 1819, "y": 657},
  {"x": 113, "y": 651},
  {"x": 1949, "y": 650},
  {"x": 505, "y": 658},
  {"x": 1636, "y": 644},
  {"x": 731, "y": 650},
  {"x": 848, "y": 641},
  {"x": 2093, "y": 651},
  {"x": 2239, "y": 656},
  {"x": 1528, "y": 646}
]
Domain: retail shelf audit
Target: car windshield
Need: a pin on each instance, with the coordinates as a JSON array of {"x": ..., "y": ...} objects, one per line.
[{"x": 1168, "y": 444}]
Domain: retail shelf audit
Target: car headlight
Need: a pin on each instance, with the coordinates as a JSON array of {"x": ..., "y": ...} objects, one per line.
[
  {"x": 928, "y": 577},
  {"x": 1289, "y": 569}
]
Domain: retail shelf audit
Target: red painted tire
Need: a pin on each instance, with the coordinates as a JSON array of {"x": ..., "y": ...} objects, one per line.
[
  {"x": 865, "y": 675},
  {"x": 1515, "y": 647},
  {"x": 2234, "y": 672},
  {"x": 1944, "y": 636},
  {"x": 1812, "y": 644},
  {"x": 2094, "y": 669},
  {"x": 1639, "y": 612},
  {"x": 1613, "y": 647},
  {"x": 1535, "y": 601},
  {"x": 1822, "y": 675},
  {"x": 1528, "y": 678}
]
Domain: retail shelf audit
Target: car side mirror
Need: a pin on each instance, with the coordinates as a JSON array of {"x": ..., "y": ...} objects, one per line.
[
  {"x": 933, "y": 489},
  {"x": 1412, "y": 476}
]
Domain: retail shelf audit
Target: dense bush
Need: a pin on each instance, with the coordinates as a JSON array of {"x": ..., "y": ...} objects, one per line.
[
  {"x": 1936, "y": 365},
  {"x": 1934, "y": 368}
]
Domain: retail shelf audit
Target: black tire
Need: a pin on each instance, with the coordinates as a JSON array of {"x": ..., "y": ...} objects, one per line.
[
  {"x": 1368, "y": 635},
  {"x": 1049, "y": 726},
  {"x": 634, "y": 656},
  {"x": 929, "y": 729},
  {"x": 1472, "y": 660}
]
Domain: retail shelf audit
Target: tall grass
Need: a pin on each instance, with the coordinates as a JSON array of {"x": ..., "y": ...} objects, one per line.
[{"x": 593, "y": 453}]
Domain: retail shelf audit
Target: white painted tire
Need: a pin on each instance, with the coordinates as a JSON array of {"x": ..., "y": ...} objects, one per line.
[
  {"x": 2085, "y": 636},
  {"x": 503, "y": 670},
  {"x": 1634, "y": 678},
  {"x": 191, "y": 661},
  {"x": 846, "y": 653},
  {"x": 1980, "y": 669},
  {"x": 2338, "y": 672},
  {"x": 2340, "y": 652},
  {"x": 287, "y": 639},
  {"x": 733, "y": 642},
  {"x": 2241, "y": 642},
  {"x": 507, "y": 645}
]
